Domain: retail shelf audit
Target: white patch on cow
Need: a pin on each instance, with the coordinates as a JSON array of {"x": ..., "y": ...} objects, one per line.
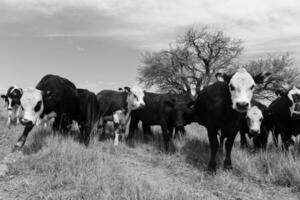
[
  {"x": 241, "y": 89},
  {"x": 292, "y": 92},
  {"x": 135, "y": 98},
  {"x": 120, "y": 119},
  {"x": 254, "y": 119},
  {"x": 47, "y": 120},
  {"x": 29, "y": 100},
  {"x": 74, "y": 126}
]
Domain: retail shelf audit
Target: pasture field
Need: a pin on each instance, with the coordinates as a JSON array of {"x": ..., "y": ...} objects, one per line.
[{"x": 54, "y": 167}]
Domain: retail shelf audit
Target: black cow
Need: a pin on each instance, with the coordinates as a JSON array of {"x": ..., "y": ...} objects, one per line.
[
  {"x": 166, "y": 110},
  {"x": 12, "y": 100},
  {"x": 282, "y": 116},
  {"x": 220, "y": 107},
  {"x": 89, "y": 112},
  {"x": 53, "y": 95},
  {"x": 111, "y": 101}
]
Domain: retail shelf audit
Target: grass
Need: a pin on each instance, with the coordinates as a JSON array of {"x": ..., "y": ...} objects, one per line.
[{"x": 55, "y": 167}]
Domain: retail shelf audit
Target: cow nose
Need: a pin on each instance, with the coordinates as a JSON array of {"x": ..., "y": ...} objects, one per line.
[
  {"x": 26, "y": 122},
  {"x": 254, "y": 132},
  {"x": 242, "y": 106}
]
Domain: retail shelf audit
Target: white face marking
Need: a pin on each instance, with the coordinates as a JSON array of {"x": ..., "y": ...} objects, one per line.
[
  {"x": 135, "y": 98},
  {"x": 241, "y": 88},
  {"x": 29, "y": 100},
  {"x": 295, "y": 101},
  {"x": 254, "y": 119}
]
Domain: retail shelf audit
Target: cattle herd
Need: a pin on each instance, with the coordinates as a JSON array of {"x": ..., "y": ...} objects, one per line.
[{"x": 225, "y": 108}]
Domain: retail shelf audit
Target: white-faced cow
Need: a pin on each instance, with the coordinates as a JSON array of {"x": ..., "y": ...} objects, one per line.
[
  {"x": 12, "y": 100},
  {"x": 53, "y": 95},
  {"x": 111, "y": 101},
  {"x": 253, "y": 125},
  {"x": 220, "y": 107}
]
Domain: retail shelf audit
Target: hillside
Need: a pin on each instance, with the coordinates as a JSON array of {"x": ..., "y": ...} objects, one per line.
[{"x": 53, "y": 167}]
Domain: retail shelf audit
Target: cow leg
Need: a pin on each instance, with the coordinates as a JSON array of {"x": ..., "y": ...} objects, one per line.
[
  {"x": 18, "y": 114},
  {"x": 22, "y": 139},
  {"x": 117, "y": 131},
  {"x": 228, "y": 147},
  {"x": 261, "y": 140},
  {"x": 179, "y": 132},
  {"x": 287, "y": 139},
  {"x": 243, "y": 138},
  {"x": 132, "y": 127},
  {"x": 147, "y": 131},
  {"x": 8, "y": 123},
  {"x": 166, "y": 135},
  {"x": 214, "y": 147},
  {"x": 222, "y": 138},
  {"x": 103, "y": 131}
]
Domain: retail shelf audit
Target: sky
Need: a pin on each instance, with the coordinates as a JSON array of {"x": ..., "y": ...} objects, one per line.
[{"x": 97, "y": 44}]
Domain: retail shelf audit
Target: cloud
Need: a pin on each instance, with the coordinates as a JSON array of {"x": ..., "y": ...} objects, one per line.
[{"x": 150, "y": 24}]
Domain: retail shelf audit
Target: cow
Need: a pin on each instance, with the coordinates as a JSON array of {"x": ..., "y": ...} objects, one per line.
[
  {"x": 252, "y": 124},
  {"x": 111, "y": 101},
  {"x": 12, "y": 100},
  {"x": 166, "y": 110},
  {"x": 89, "y": 112},
  {"x": 53, "y": 94},
  {"x": 283, "y": 116},
  {"x": 220, "y": 107}
]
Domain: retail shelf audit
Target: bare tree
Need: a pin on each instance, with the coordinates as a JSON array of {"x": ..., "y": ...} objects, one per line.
[
  {"x": 197, "y": 56},
  {"x": 284, "y": 73}
]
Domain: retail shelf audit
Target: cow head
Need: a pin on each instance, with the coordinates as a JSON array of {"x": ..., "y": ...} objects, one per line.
[
  {"x": 241, "y": 87},
  {"x": 12, "y": 98},
  {"x": 179, "y": 109},
  {"x": 254, "y": 119},
  {"x": 33, "y": 103},
  {"x": 294, "y": 97},
  {"x": 135, "y": 97}
]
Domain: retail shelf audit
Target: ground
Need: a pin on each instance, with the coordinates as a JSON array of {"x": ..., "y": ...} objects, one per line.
[{"x": 54, "y": 167}]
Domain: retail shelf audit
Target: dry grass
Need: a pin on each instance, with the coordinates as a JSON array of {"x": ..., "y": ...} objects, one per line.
[{"x": 54, "y": 167}]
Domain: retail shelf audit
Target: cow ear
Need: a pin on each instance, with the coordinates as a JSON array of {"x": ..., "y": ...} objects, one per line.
[
  {"x": 46, "y": 94},
  {"x": 3, "y": 96},
  {"x": 127, "y": 89},
  {"x": 223, "y": 77},
  {"x": 219, "y": 76},
  {"x": 261, "y": 78},
  {"x": 281, "y": 92},
  {"x": 121, "y": 89}
]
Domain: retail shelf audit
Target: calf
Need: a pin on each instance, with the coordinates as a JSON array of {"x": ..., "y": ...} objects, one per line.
[
  {"x": 166, "y": 110},
  {"x": 254, "y": 126},
  {"x": 53, "y": 94},
  {"x": 220, "y": 107},
  {"x": 111, "y": 101},
  {"x": 12, "y": 100}
]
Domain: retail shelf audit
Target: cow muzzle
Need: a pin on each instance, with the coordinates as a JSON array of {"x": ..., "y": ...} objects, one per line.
[
  {"x": 242, "y": 106},
  {"x": 254, "y": 132},
  {"x": 26, "y": 122}
]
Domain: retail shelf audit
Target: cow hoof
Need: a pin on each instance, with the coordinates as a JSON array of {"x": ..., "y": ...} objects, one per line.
[
  {"x": 227, "y": 165},
  {"x": 212, "y": 167}
]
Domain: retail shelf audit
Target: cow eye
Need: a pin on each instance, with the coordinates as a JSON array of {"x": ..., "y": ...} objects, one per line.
[
  {"x": 38, "y": 106},
  {"x": 231, "y": 87},
  {"x": 252, "y": 87}
]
